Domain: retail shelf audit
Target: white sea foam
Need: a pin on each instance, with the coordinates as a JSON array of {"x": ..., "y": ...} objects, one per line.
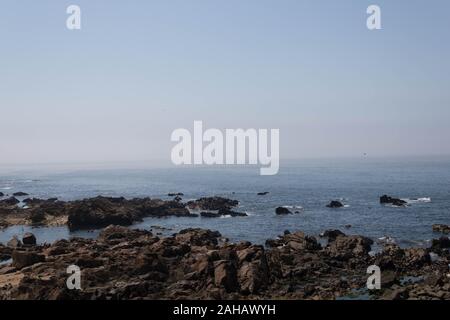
[
  {"x": 294, "y": 207},
  {"x": 387, "y": 240},
  {"x": 418, "y": 200}
]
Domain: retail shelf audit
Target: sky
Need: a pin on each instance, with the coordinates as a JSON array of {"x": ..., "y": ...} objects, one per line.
[{"x": 137, "y": 70}]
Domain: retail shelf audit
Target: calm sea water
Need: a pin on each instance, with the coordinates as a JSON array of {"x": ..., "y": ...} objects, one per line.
[{"x": 309, "y": 184}]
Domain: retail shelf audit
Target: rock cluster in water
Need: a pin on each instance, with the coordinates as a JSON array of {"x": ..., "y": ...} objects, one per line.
[
  {"x": 392, "y": 201},
  {"x": 100, "y": 212}
]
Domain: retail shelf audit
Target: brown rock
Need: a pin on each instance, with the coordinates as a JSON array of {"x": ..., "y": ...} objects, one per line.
[
  {"x": 14, "y": 243},
  {"x": 225, "y": 275},
  {"x": 441, "y": 228},
  {"x": 22, "y": 259}
]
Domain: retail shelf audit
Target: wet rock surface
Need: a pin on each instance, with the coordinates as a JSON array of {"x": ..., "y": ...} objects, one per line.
[
  {"x": 393, "y": 201},
  {"x": 195, "y": 264}
]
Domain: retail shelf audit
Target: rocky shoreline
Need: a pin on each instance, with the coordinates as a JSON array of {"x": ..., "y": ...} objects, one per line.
[{"x": 200, "y": 264}]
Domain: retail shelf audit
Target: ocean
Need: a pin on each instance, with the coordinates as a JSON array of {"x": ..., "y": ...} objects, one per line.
[{"x": 306, "y": 186}]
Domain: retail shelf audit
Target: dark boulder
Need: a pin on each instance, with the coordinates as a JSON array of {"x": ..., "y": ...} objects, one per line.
[
  {"x": 179, "y": 194},
  {"x": 393, "y": 201},
  {"x": 262, "y": 193},
  {"x": 2, "y": 194},
  {"x": 335, "y": 204},
  {"x": 29, "y": 239},
  {"x": 282, "y": 210}
]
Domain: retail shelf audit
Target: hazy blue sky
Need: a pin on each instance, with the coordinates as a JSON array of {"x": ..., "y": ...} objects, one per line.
[{"x": 115, "y": 90}]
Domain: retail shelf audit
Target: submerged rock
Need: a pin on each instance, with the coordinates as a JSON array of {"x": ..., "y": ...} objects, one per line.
[
  {"x": 20, "y": 194},
  {"x": 179, "y": 194},
  {"x": 227, "y": 212},
  {"x": 263, "y": 193},
  {"x": 210, "y": 214}
]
